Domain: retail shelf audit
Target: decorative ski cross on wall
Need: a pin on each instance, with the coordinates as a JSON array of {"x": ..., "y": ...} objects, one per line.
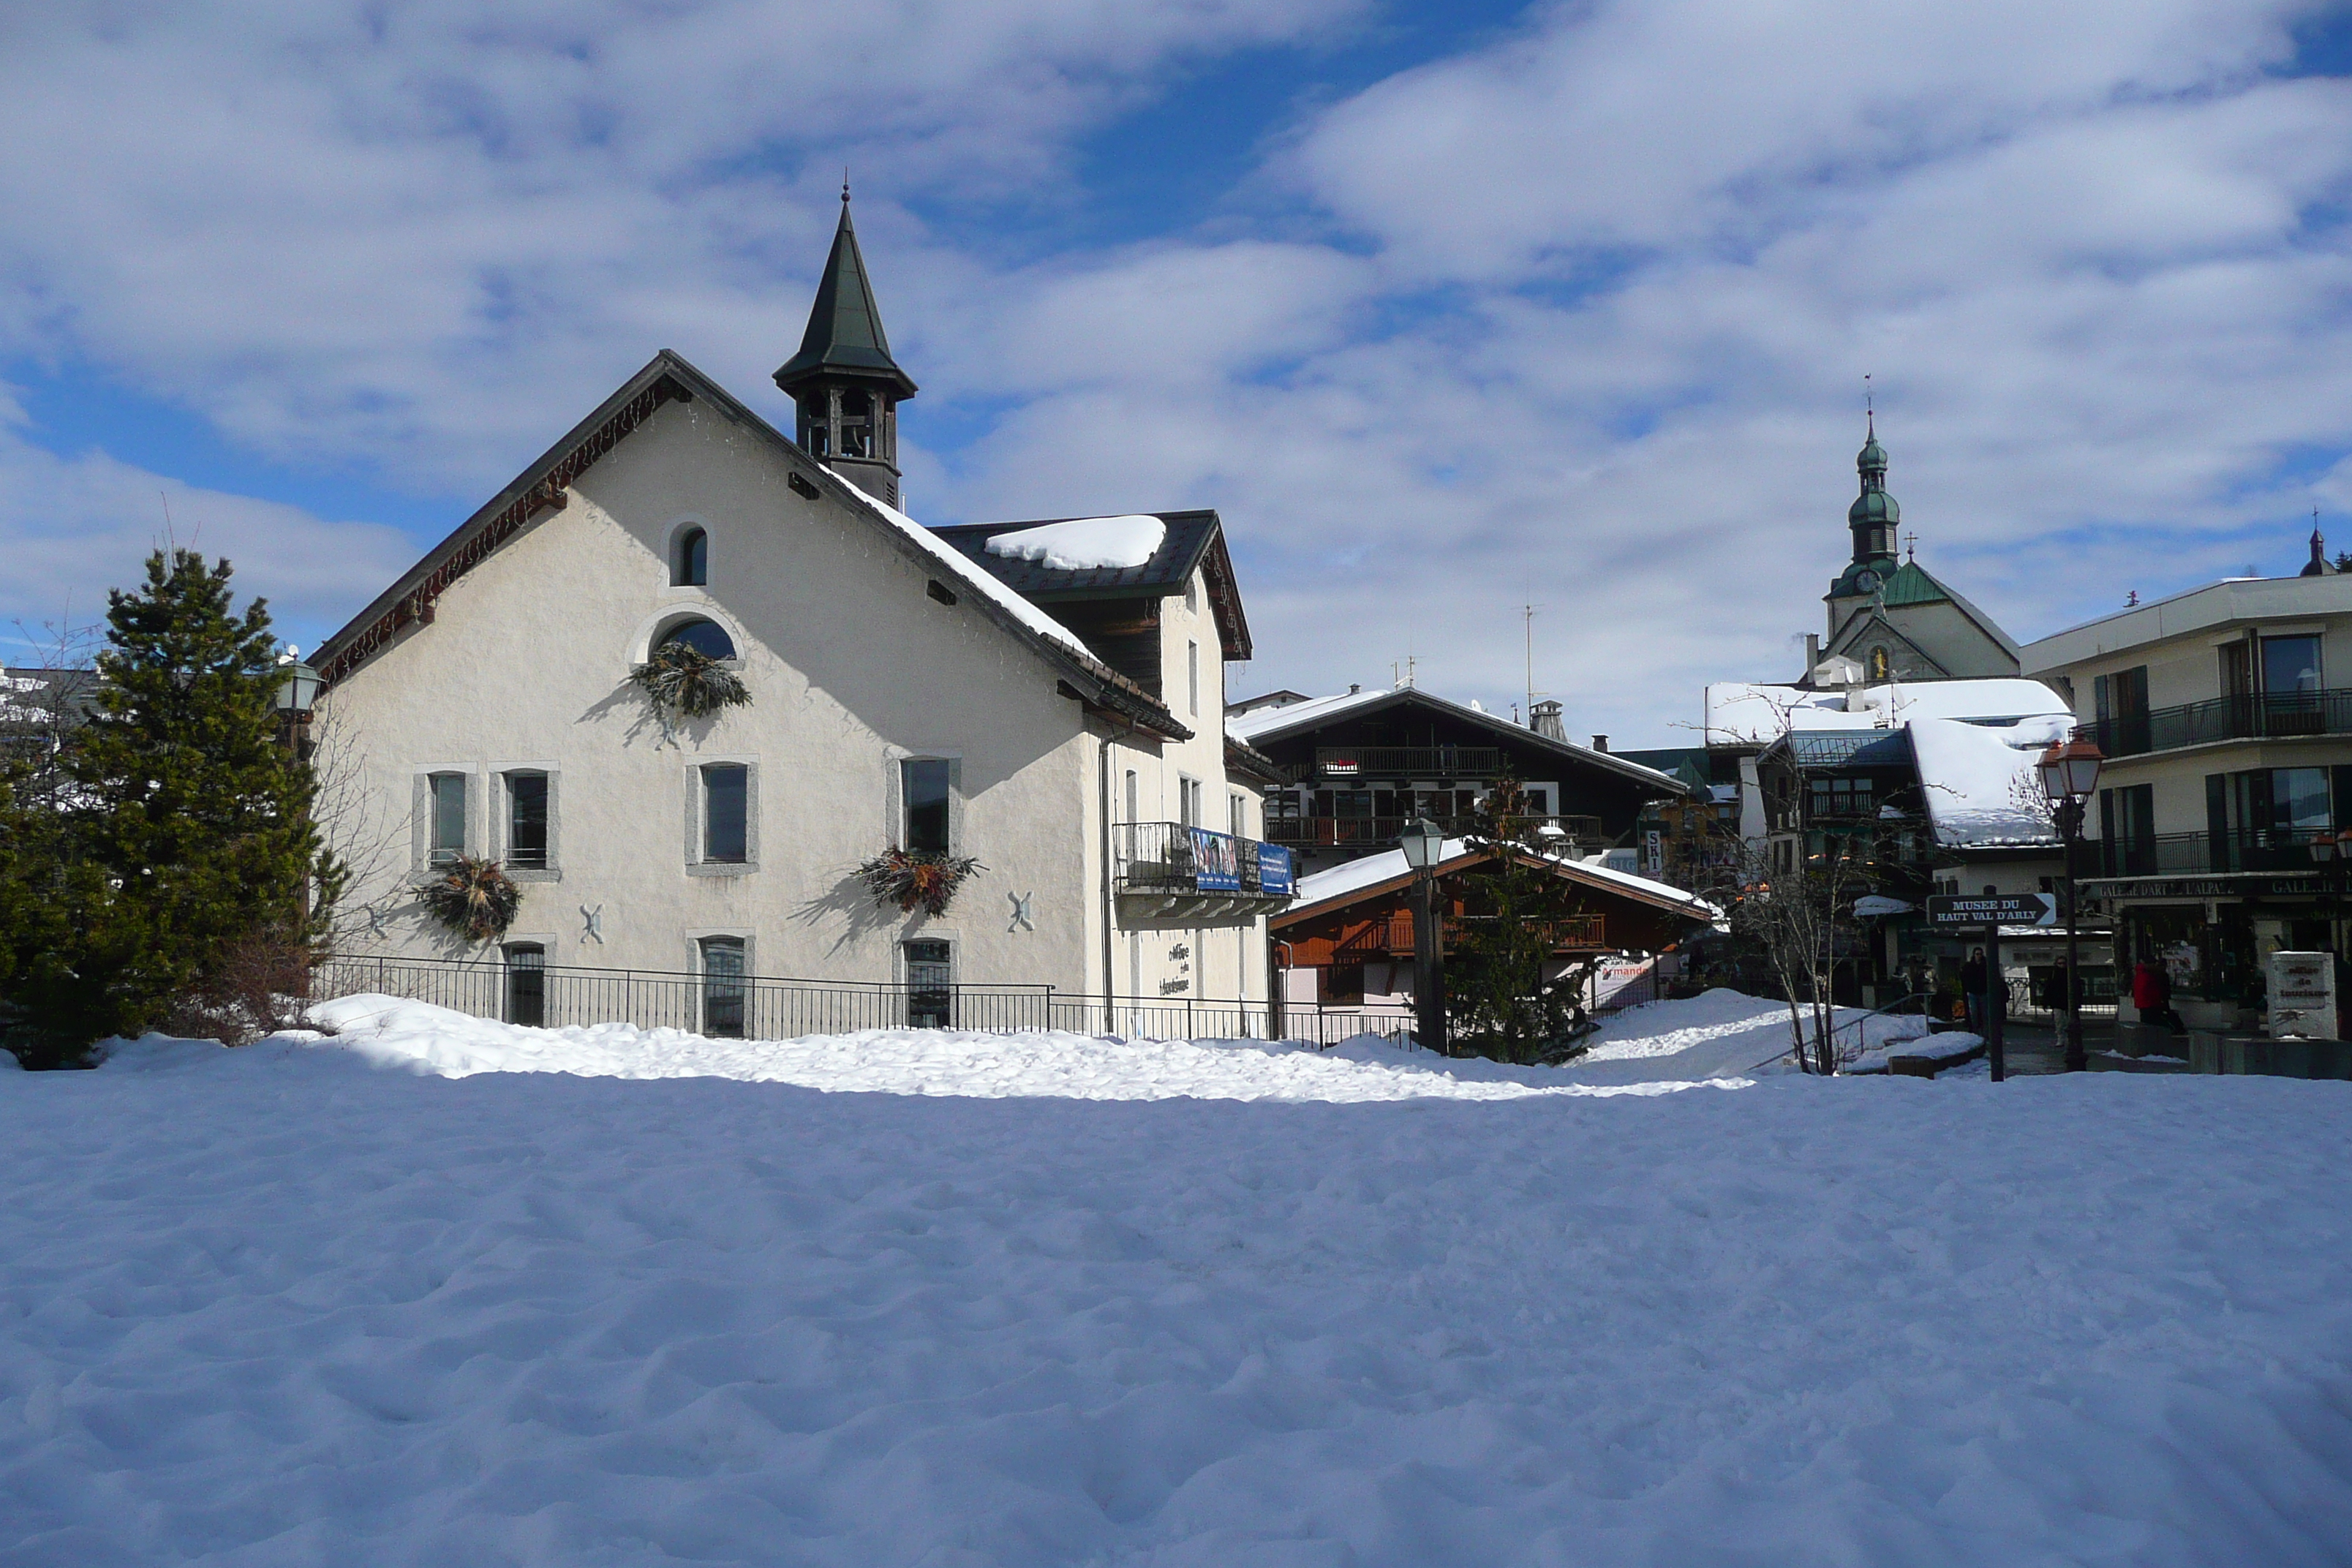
[
  {"x": 596, "y": 923},
  {"x": 1020, "y": 921}
]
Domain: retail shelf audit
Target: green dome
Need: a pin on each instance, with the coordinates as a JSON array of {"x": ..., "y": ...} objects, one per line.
[
  {"x": 1872, "y": 455},
  {"x": 1873, "y": 509}
]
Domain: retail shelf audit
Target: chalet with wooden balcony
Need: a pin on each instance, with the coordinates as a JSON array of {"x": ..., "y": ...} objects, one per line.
[
  {"x": 1355, "y": 768},
  {"x": 1348, "y": 938}
]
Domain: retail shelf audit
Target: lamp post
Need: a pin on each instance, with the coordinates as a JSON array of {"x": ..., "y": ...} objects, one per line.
[
  {"x": 2332, "y": 853},
  {"x": 2070, "y": 771},
  {"x": 1424, "y": 846},
  {"x": 297, "y": 692}
]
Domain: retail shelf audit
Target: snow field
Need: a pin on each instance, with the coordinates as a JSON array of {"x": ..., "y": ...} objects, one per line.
[
  {"x": 425, "y": 1038},
  {"x": 273, "y": 1306}
]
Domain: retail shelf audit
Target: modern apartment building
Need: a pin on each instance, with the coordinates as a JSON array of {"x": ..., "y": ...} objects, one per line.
[{"x": 2226, "y": 717}]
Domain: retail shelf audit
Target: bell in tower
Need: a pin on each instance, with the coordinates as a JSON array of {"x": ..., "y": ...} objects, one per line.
[{"x": 845, "y": 387}]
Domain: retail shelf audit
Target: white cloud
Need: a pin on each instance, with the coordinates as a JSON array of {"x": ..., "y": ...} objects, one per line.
[
  {"x": 1578, "y": 318},
  {"x": 73, "y": 527}
]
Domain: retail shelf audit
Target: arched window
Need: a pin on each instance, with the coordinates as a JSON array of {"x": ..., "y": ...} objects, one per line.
[
  {"x": 707, "y": 637},
  {"x": 690, "y": 568}
]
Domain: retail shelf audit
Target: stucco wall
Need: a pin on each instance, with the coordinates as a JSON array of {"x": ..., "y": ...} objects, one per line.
[{"x": 851, "y": 667}]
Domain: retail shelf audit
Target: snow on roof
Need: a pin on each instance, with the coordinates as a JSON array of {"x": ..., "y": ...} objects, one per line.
[
  {"x": 965, "y": 569},
  {"x": 1747, "y": 713},
  {"x": 1978, "y": 780},
  {"x": 1251, "y": 726},
  {"x": 1291, "y": 715},
  {"x": 1085, "y": 543},
  {"x": 1389, "y": 863}
]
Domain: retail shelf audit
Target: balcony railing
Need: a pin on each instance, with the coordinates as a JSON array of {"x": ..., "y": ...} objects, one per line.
[
  {"x": 1382, "y": 831},
  {"x": 1172, "y": 859},
  {"x": 2271, "y": 716},
  {"x": 1403, "y": 762},
  {"x": 2276, "y": 849},
  {"x": 1392, "y": 937}
]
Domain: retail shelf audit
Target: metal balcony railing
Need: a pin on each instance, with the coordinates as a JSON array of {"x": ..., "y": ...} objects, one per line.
[
  {"x": 1170, "y": 857},
  {"x": 1405, "y": 763},
  {"x": 2276, "y": 849},
  {"x": 2271, "y": 716}
]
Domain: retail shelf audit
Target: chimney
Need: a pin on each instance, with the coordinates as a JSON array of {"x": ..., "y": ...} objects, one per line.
[
  {"x": 1599, "y": 743},
  {"x": 1813, "y": 652},
  {"x": 1544, "y": 720},
  {"x": 1353, "y": 689}
]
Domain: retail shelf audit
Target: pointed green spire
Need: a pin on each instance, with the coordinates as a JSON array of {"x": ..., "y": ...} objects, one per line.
[{"x": 845, "y": 332}]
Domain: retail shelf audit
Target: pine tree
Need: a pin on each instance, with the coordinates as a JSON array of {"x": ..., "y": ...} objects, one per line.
[
  {"x": 188, "y": 856},
  {"x": 1502, "y": 1000}
]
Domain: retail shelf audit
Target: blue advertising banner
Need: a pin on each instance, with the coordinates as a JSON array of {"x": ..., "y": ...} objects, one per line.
[
  {"x": 1274, "y": 871},
  {"x": 1216, "y": 863}
]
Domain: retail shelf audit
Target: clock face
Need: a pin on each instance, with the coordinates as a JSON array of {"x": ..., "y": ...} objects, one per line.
[{"x": 1867, "y": 581}]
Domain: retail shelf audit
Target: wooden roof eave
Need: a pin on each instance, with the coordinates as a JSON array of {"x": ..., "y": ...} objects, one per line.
[{"x": 1695, "y": 909}]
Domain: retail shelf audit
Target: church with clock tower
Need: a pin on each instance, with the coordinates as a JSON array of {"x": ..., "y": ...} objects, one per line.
[{"x": 1891, "y": 615}]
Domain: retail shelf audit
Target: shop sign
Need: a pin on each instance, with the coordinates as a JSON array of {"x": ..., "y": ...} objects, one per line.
[
  {"x": 2303, "y": 995},
  {"x": 1947, "y": 911}
]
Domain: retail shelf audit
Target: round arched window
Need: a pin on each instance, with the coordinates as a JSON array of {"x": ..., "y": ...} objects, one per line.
[
  {"x": 691, "y": 568},
  {"x": 706, "y": 637}
]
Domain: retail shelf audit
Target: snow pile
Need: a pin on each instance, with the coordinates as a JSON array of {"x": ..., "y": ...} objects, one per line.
[
  {"x": 1040, "y": 1063},
  {"x": 1980, "y": 780},
  {"x": 269, "y": 1307},
  {"x": 1950, "y": 1046},
  {"x": 1085, "y": 543},
  {"x": 1719, "y": 1034}
]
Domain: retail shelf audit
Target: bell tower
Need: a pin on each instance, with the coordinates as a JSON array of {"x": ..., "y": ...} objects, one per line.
[
  {"x": 845, "y": 387},
  {"x": 1873, "y": 518}
]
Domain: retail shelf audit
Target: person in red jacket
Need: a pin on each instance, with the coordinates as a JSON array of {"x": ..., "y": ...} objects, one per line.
[{"x": 2152, "y": 994}]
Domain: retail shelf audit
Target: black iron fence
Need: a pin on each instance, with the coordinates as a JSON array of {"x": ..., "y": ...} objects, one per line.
[
  {"x": 2243, "y": 717},
  {"x": 759, "y": 1008}
]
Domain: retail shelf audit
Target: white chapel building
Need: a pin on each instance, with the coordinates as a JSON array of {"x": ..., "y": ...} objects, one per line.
[{"x": 1045, "y": 698}]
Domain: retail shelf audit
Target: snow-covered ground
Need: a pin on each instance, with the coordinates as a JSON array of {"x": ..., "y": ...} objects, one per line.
[
  {"x": 431, "y": 1039},
  {"x": 1721, "y": 1034},
  {"x": 285, "y": 1306}
]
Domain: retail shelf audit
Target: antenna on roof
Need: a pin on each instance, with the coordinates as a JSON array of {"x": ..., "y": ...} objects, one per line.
[{"x": 1527, "y": 614}]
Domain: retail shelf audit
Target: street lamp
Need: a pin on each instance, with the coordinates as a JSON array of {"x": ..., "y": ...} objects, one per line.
[
  {"x": 2070, "y": 771},
  {"x": 299, "y": 689},
  {"x": 1424, "y": 846}
]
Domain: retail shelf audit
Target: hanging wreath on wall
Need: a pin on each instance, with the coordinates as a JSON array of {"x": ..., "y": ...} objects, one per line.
[
  {"x": 476, "y": 899},
  {"x": 685, "y": 682},
  {"x": 913, "y": 879}
]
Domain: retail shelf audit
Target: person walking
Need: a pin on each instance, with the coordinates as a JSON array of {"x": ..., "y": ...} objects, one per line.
[
  {"x": 2152, "y": 996},
  {"x": 1973, "y": 976}
]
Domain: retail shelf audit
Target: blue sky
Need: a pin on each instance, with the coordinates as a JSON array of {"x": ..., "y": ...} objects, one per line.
[{"x": 1447, "y": 309}]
